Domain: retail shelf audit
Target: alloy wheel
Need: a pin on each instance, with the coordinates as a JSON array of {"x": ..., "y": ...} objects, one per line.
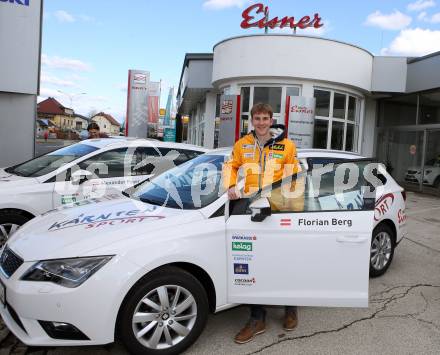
[
  {"x": 164, "y": 317},
  {"x": 381, "y": 249}
]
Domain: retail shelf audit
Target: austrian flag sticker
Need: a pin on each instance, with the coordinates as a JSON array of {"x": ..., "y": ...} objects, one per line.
[{"x": 285, "y": 222}]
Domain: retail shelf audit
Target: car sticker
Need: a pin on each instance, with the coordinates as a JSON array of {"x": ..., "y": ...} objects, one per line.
[
  {"x": 278, "y": 156},
  {"x": 383, "y": 205},
  {"x": 241, "y": 269},
  {"x": 248, "y": 155},
  {"x": 401, "y": 216},
  {"x": 123, "y": 216}
]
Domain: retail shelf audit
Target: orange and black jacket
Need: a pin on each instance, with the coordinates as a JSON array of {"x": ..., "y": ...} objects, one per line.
[{"x": 261, "y": 166}]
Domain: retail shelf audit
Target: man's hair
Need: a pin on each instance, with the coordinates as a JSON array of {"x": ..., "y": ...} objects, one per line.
[
  {"x": 92, "y": 125},
  {"x": 261, "y": 108}
]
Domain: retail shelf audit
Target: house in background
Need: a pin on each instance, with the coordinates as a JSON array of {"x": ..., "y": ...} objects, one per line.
[
  {"x": 81, "y": 122},
  {"x": 62, "y": 117},
  {"x": 107, "y": 124}
]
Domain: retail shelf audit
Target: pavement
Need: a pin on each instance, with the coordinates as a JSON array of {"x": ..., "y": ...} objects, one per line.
[{"x": 403, "y": 316}]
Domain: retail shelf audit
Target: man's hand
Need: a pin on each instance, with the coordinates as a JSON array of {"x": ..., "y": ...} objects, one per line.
[{"x": 233, "y": 193}]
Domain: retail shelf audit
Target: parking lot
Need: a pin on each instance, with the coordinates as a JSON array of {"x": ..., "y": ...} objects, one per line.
[{"x": 403, "y": 316}]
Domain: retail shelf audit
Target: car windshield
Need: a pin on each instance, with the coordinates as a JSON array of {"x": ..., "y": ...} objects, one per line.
[
  {"x": 192, "y": 185},
  {"x": 50, "y": 162}
]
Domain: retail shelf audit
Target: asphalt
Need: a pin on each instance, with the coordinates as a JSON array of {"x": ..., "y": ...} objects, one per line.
[{"x": 403, "y": 316}]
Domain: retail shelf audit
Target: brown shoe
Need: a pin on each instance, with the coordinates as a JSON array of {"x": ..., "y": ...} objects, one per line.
[
  {"x": 252, "y": 328},
  {"x": 290, "y": 320}
]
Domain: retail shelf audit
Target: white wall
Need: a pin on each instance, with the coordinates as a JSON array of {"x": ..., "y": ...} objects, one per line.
[
  {"x": 292, "y": 56},
  {"x": 17, "y": 128}
]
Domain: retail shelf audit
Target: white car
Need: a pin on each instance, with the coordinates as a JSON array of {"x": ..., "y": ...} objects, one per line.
[
  {"x": 389, "y": 212},
  {"x": 431, "y": 174},
  {"x": 149, "y": 267},
  {"x": 84, "y": 170}
]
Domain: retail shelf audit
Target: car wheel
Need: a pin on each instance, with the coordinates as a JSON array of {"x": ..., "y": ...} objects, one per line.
[
  {"x": 382, "y": 250},
  {"x": 437, "y": 182},
  {"x": 9, "y": 223},
  {"x": 164, "y": 313}
]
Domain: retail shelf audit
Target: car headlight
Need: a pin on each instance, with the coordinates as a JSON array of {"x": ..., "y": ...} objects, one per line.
[{"x": 66, "y": 272}]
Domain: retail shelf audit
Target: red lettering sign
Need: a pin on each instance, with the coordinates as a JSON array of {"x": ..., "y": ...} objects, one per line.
[{"x": 256, "y": 16}]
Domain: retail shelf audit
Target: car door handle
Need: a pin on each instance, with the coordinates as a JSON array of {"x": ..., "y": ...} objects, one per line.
[{"x": 351, "y": 239}]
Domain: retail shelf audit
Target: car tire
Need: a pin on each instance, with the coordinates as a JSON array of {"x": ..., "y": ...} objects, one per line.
[
  {"x": 437, "y": 182},
  {"x": 160, "y": 287},
  {"x": 382, "y": 249},
  {"x": 9, "y": 222}
]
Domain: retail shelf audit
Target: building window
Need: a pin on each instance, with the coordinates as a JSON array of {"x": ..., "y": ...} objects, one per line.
[
  {"x": 336, "y": 120},
  {"x": 275, "y": 96},
  {"x": 269, "y": 95}
]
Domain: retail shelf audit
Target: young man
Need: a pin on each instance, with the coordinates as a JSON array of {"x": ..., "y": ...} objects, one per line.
[
  {"x": 94, "y": 131},
  {"x": 266, "y": 156}
]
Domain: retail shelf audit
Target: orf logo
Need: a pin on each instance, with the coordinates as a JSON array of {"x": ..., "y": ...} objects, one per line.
[{"x": 18, "y": 2}]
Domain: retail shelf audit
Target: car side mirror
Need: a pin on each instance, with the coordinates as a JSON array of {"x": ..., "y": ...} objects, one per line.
[
  {"x": 260, "y": 209},
  {"x": 79, "y": 176}
]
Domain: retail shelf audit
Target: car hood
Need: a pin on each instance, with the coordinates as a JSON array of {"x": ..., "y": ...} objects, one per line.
[
  {"x": 9, "y": 180},
  {"x": 78, "y": 231}
]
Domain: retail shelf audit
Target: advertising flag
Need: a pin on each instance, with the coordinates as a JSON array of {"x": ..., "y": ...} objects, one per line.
[
  {"x": 167, "y": 117},
  {"x": 153, "y": 102}
]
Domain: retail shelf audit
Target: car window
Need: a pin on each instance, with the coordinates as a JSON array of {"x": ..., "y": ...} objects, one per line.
[
  {"x": 50, "y": 162},
  {"x": 340, "y": 188},
  {"x": 319, "y": 161},
  {"x": 192, "y": 185},
  {"x": 109, "y": 164},
  {"x": 184, "y": 154}
]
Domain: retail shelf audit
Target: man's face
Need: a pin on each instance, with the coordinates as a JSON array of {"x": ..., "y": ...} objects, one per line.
[
  {"x": 93, "y": 133},
  {"x": 262, "y": 122}
]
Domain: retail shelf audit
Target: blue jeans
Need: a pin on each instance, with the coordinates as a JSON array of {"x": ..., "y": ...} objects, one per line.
[{"x": 258, "y": 312}]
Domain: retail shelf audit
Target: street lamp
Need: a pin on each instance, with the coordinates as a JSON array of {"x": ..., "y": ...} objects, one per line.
[{"x": 71, "y": 96}]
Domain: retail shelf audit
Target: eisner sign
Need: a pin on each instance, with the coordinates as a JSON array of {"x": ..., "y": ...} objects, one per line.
[{"x": 261, "y": 19}]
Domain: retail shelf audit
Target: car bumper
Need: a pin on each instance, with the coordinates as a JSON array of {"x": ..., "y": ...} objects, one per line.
[{"x": 91, "y": 308}]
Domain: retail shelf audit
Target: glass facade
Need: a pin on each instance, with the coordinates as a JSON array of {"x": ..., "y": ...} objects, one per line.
[{"x": 408, "y": 140}]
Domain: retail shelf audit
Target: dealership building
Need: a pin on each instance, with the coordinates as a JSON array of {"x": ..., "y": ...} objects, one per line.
[{"x": 387, "y": 107}]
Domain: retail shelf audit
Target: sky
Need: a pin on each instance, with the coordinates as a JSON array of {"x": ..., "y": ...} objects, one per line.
[{"x": 89, "y": 46}]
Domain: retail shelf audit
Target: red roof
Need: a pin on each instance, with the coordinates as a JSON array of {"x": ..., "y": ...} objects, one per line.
[
  {"x": 51, "y": 106},
  {"x": 109, "y": 118}
]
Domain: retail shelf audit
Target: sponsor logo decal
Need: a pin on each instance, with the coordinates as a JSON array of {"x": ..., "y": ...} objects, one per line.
[
  {"x": 383, "y": 205},
  {"x": 139, "y": 79},
  {"x": 401, "y": 216},
  {"x": 247, "y": 146},
  {"x": 279, "y": 147},
  {"x": 242, "y": 269},
  {"x": 242, "y": 246},
  {"x": 111, "y": 218},
  {"x": 243, "y": 258},
  {"x": 278, "y": 156},
  {"x": 248, "y": 155},
  {"x": 66, "y": 199},
  {"x": 244, "y": 237},
  {"x": 244, "y": 281}
]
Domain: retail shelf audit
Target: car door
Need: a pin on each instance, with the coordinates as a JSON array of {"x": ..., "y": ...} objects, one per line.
[{"x": 314, "y": 248}]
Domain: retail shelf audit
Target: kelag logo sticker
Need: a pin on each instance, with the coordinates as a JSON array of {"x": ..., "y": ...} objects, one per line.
[
  {"x": 241, "y": 269},
  {"x": 242, "y": 246}
]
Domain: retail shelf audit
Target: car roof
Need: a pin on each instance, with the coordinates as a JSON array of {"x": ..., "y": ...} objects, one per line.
[
  {"x": 303, "y": 153},
  {"x": 142, "y": 142}
]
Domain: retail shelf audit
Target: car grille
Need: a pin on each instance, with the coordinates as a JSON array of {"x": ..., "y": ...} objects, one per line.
[
  {"x": 10, "y": 262},
  {"x": 412, "y": 171}
]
